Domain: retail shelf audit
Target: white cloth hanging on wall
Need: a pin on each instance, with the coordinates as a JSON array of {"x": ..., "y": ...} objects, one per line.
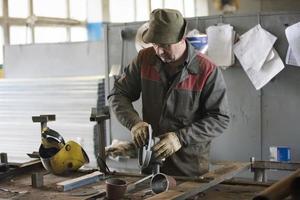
[
  {"x": 257, "y": 56},
  {"x": 269, "y": 70},
  {"x": 220, "y": 44},
  {"x": 293, "y": 36},
  {"x": 253, "y": 47}
]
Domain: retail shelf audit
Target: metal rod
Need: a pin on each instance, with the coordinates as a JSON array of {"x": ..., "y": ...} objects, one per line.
[{"x": 132, "y": 186}]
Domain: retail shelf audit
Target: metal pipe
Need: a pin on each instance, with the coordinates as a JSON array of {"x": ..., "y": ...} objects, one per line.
[{"x": 278, "y": 190}]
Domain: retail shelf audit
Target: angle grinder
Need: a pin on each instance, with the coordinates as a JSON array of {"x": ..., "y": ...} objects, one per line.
[
  {"x": 159, "y": 182},
  {"x": 146, "y": 156},
  {"x": 146, "y": 160}
]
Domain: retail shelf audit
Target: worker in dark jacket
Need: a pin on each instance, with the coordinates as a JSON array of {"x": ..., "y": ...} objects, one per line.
[{"x": 183, "y": 97}]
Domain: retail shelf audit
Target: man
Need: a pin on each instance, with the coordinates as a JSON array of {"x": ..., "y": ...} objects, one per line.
[{"x": 183, "y": 97}]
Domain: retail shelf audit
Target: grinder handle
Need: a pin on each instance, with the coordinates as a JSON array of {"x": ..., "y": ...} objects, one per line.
[{"x": 149, "y": 138}]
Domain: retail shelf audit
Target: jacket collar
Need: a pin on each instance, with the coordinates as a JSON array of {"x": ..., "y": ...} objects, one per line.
[{"x": 191, "y": 61}]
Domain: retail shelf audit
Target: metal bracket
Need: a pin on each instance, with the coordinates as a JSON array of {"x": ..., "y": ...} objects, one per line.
[
  {"x": 43, "y": 119},
  {"x": 100, "y": 116}
]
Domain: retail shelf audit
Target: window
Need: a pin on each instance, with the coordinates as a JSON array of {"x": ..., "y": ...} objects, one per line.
[
  {"x": 94, "y": 8},
  {"x": 50, "y": 8},
  {"x": 175, "y": 4},
  {"x": 121, "y": 11},
  {"x": 50, "y": 34},
  {"x": 1, "y": 8},
  {"x": 189, "y": 8},
  {"x": 18, "y": 8},
  {"x": 20, "y": 35},
  {"x": 78, "y": 9},
  {"x": 78, "y": 34},
  {"x": 1, "y": 44},
  {"x": 186, "y": 7},
  {"x": 142, "y": 10},
  {"x": 156, "y": 4}
]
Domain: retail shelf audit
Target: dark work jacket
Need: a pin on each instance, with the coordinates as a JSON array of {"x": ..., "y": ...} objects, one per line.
[{"x": 194, "y": 106}]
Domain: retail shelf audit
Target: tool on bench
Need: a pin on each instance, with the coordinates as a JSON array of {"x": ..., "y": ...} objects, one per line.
[{"x": 57, "y": 156}]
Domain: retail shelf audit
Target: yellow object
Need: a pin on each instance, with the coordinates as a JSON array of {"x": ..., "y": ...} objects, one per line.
[{"x": 69, "y": 158}]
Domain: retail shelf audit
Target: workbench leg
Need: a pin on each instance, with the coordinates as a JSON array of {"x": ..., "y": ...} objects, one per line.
[
  {"x": 260, "y": 175},
  {"x": 3, "y": 157},
  {"x": 37, "y": 180}
]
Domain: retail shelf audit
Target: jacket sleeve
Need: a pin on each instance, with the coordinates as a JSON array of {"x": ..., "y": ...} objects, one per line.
[
  {"x": 213, "y": 117},
  {"x": 126, "y": 89}
]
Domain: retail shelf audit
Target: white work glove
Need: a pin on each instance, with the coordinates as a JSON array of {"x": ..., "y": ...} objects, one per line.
[
  {"x": 139, "y": 133},
  {"x": 168, "y": 144},
  {"x": 120, "y": 148}
]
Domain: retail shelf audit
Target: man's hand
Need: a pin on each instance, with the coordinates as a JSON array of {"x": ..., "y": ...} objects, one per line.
[
  {"x": 168, "y": 144},
  {"x": 139, "y": 133},
  {"x": 120, "y": 148}
]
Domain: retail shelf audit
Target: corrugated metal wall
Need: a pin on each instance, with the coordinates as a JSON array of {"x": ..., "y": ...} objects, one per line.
[
  {"x": 70, "y": 99},
  {"x": 65, "y": 79}
]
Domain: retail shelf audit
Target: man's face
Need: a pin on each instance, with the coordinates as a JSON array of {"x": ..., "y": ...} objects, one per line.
[{"x": 169, "y": 52}]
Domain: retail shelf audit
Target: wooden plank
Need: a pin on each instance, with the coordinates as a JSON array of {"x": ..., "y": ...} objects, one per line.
[
  {"x": 190, "y": 188},
  {"x": 79, "y": 181},
  {"x": 289, "y": 166}
]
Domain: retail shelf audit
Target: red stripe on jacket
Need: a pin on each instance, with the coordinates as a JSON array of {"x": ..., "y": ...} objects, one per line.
[
  {"x": 196, "y": 82},
  {"x": 148, "y": 72}
]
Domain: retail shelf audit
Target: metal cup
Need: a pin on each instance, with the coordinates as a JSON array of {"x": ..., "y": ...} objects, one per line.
[
  {"x": 161, "y": 182},
  {"x": 115, "y": 188}
]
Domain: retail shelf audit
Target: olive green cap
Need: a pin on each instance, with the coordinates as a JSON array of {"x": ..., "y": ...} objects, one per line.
[{"x": 166, "y": 26}]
